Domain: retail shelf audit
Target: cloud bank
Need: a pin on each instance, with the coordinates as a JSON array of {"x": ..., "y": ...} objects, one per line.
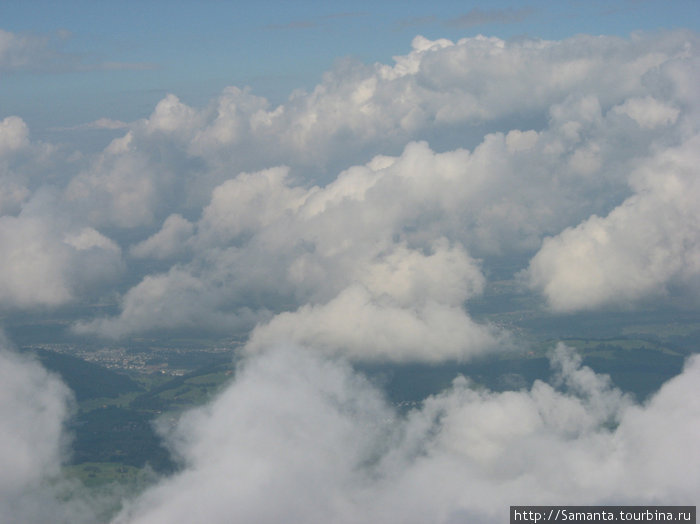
[
  {"x": 361, "y": 217},
  {"x": 358, "y": 222},
  {"x": 301, "y": 438}
]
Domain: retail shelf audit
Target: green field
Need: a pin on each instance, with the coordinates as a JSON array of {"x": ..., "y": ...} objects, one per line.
[{"x": 97, "y": 474}]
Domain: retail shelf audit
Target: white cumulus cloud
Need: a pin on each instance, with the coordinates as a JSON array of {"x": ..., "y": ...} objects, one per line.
[{"x": 644, "y": 246}]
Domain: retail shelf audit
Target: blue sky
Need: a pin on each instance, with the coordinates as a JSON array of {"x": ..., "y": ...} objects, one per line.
[{"x": 117, "y": 59}]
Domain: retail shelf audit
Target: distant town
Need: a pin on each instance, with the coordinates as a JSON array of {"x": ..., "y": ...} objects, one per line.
[{"x": 173, "y": 361}]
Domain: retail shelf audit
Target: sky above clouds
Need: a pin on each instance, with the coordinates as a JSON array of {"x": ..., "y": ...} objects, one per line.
[
  {"x": 121, "y": 58},
  {"x": 334, "y": 184}
]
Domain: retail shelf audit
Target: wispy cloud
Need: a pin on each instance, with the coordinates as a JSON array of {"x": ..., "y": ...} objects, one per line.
[
  {"x": 125, "y": 66},
  {"x": 18, "y": 51},
  {"x": 44, "y": 54},
  {"x": 478, "y": 16},
  {"x": 344, "y": 16},
  {"x": 100, "y": 123},
  {"x": 294, "y": 24},
  {"x": 416, "y": 21},
  {"x": 314, "y": 22}
]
